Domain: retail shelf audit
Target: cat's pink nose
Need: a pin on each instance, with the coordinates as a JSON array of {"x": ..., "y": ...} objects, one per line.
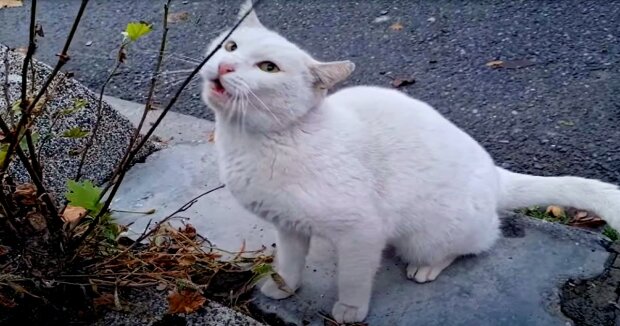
[{"x": 225, "y": 68}]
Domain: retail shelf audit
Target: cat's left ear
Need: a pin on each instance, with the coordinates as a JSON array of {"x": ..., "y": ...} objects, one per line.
[
  {"x": 328, "y": 74},
  {"x": 252, "y": 19}
]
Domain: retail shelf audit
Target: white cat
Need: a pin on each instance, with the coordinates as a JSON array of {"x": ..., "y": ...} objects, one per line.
[{"x": 364, "y": 168}]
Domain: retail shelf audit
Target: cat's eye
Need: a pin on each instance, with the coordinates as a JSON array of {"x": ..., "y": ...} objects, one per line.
[
  {"x": 268, "y": 66},
  {"x": 230, "y": 46}
]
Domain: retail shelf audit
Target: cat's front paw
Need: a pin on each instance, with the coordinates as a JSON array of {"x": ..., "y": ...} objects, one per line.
[
  {"x": 271, "y": 289},
  {"x": 344, "y": 313}
]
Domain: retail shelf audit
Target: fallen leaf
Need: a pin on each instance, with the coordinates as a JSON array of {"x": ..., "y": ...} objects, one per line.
[
  {"x": 11, "y": 3},
  {"x": 397, "y": 26},
  {"x": 6, "y": 302},
  {"x": 495, "y": 64},
  {"x": 73, "y": 214},
  {"x": 185, "y": 301},
  {"x": 106, "y": 300},
  {"x": 400, "y": 82},
  {"x": 189, "y": 231},
  {"x": 512, "y": 64},
  {"x": 555, "y": 211},
  {"x": 586, "y": 219},
  {"x": 211, "y": 137},
  {"x": 178, "y": 17},
  {"x": 37, "y": 221},
  {"x": 26, "y": 194},
  {"x": 4, "y": 250},
  {"x": 187, "y": 260}
]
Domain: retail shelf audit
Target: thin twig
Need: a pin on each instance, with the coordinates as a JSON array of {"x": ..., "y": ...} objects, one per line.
[
  {"x": 149, "y": 99},
  {"x": 146, "y": 137},
  {"x": 93, "y": 133},
  {"x": 63, "y": 58},
  {"x": 5, "y": 85}
]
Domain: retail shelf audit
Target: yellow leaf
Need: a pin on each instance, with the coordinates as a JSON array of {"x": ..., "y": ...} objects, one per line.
[
  {"x": 555, "y": 211},
  {"x": 11, "y": 3},
  {"x": 397, "y": 26},
  {"x": 73, "y": 213}
]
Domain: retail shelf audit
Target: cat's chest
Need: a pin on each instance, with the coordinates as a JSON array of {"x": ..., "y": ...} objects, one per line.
[{"x": 261, "y": 178}]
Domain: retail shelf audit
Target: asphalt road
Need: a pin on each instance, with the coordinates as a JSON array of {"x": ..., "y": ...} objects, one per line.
[{"x": 558, "y": 115}]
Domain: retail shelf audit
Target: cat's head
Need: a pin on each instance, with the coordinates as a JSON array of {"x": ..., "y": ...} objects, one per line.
[{"x": 262, "y": 81}]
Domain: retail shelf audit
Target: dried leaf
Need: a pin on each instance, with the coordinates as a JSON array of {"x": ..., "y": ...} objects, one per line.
[
  {"x": 512, "y": 64},
  {"x": 4, "y": 250},
  {"x": 555, "y": 211},
  {"x": 189, "y": 231},
  {"x": 6, "y": 302},
  {"x": 187, "y": 260},
  {"x": 37, "y": 221},
  {"x": 400, "y": 82},
  {"x": 26, "y": 194},
  {"x": 580, "y": 215},
  {"x": 11, "y": 3},
  {"x": 178, "y": 17},
  {"x": 495, "y": 64},
  {"x": 106, "y": 300},
  {"x": 185, "y": 301},
  {"x": 211, "y": 137},
  {"x": 73, "y": 214},
  {"x": 586, "y": 219},
  {"x": 397, "y": 26}
]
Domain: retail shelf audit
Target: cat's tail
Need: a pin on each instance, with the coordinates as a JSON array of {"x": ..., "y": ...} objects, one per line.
[{"x": 522, "y": 190}]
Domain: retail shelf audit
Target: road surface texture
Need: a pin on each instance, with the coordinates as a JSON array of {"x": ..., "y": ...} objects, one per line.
[{"x": 559, "y": 115}]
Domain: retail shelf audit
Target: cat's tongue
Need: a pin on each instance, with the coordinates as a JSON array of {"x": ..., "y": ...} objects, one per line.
[{"x": 217, "y": 87}]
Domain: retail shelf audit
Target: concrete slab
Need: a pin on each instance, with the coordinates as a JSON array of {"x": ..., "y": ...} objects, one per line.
[{"x": 516, "y": 283}]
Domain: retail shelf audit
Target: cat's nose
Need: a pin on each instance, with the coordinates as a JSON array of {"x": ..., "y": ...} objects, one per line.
[{"x": 225, "y": 68}]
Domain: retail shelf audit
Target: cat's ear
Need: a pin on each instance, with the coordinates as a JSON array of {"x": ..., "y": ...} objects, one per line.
[
  {"x": 328, "y": 74},
  {"x": 252, "y": 19}
]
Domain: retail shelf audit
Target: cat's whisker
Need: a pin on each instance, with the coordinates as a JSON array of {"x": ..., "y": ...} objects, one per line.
[{"x": 247, "y": 88}]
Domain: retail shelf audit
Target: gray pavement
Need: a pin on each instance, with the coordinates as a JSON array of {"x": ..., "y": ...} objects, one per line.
[
  {"x": 557, "y": 116},
  {"x": 518, "y": 282}
]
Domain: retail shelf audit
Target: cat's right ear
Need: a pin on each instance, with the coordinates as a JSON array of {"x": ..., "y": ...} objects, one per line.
[
  {"x": 252, "y": 19},
  {"x": 328, "y": 74}
]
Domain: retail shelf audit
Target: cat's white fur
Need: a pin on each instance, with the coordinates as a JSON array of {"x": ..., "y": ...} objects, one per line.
[{"x": 364, "y": 168}]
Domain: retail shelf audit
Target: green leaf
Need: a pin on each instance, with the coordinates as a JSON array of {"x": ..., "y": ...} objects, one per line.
[
  {"x": 3, "y": 150},
  {"x": 23, "y": 144},
  {"x": 75, "y": 132},
  {"x": 262, "y": 269},
  {"x": 77, "y": 106},
  {"x": 134, "y": 30},
  {"x": 84, "y": 194}
]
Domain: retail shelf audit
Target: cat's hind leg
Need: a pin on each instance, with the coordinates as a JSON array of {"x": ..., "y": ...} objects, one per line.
[{"x": 423, "y": 274}]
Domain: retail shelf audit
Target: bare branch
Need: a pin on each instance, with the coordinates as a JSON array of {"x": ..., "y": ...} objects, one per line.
[
  {"x": 149, "y": 133},
  {"x": 149, "y": 99}
]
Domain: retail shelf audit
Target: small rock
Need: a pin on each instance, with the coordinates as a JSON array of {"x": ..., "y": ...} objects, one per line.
[
  {"x": 431, "y": 19},
  {"x": 383, "y": 12},
  {"x": 89, "y": 43}
]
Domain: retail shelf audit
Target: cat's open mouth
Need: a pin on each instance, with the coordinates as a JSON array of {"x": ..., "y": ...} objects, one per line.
[{"x": 217, "y": 86}]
